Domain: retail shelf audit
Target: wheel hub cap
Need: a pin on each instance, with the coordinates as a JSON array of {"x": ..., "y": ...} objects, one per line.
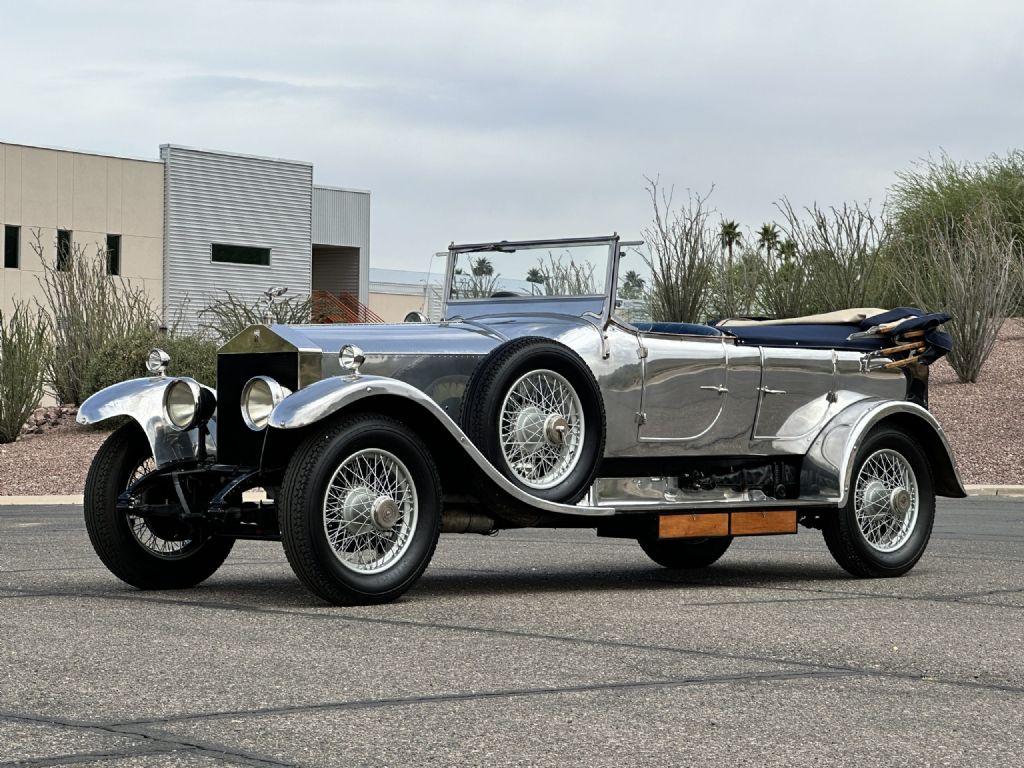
[{"x": 385, "y": 513}]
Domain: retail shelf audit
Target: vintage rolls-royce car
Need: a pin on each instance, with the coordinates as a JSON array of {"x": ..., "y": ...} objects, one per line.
[{"x": 547, "y": 395}]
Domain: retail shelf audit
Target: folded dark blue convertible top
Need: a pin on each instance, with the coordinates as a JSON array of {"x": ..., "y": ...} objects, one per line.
[{"x": 857, "y": 336}]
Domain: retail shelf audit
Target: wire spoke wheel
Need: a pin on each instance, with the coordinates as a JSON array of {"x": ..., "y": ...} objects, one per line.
[
  {"x": 370, "y": 511},
  {"x": 144, "y": 533},
  {"x": 886, "y": 500},
  {"x": 541, "y": 428}
]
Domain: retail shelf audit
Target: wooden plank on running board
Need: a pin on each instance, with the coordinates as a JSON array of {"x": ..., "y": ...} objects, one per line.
[
  {"x": 763, "y": 522},
  {"x": 693, "y": 526}
]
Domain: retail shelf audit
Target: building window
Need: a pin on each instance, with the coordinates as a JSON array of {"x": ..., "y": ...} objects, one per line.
[
  {"x": 11, "y": 255},
  {"x": 113, "y": 254},
  {"x": 63, "y": 250},
  {"x": 241, "y": 254}
]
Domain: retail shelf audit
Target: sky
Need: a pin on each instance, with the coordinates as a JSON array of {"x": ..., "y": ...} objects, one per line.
[{"x": 475, "y": 121}]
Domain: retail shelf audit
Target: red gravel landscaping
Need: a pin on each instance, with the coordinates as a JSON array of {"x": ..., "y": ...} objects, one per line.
[{"x": 981, "y": 420}]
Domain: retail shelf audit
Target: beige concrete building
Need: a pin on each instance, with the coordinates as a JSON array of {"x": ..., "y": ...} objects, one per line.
[
  {"x": 394, "y": 293},
  {"x": 188, "y": 227},
  {"x": 93, "y": 201}
]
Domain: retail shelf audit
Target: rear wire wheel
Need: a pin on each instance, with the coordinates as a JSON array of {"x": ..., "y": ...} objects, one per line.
[{"x": 884, "y": 527}]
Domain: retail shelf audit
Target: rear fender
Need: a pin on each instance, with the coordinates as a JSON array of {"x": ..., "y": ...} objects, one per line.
[
  {"x": 827, "y": 472},
  {"x": 143, "y": 401}
]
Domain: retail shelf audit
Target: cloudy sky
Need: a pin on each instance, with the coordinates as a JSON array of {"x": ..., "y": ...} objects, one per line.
[{"x": 474, "y": 120}]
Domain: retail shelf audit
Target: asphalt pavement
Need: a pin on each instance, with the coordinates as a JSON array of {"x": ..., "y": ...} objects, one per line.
[{"x": 527, "y": 648}]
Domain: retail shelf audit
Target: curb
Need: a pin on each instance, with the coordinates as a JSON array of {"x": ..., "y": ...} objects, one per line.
[
  {"x": 40, "y": 501},
  {"x": 994, "y": 490}
]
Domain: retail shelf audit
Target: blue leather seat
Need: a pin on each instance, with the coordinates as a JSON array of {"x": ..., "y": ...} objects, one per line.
[{"x": 689, "y": 329}]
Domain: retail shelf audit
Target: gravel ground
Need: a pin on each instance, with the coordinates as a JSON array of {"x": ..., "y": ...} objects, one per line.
[
  {"x": 980, "y": 420},
  {"x": 52, "y": 463}
]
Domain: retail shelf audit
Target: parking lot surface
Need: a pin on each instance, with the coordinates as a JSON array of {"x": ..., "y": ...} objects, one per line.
[{"x": 528, "y": 648}]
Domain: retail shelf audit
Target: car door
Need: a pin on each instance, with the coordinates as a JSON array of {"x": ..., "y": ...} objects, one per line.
[
  {"x": 685, "y": 387},
  {"x": 797, "y": 388}
]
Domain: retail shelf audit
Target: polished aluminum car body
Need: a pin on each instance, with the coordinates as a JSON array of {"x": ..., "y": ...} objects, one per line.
[{"x": 685, "y": 396}]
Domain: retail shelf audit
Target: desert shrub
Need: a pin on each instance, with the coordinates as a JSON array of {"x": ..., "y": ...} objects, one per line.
[
  {"x": 784, "y": 283},
  {"x": 683, "y": 251},
  {"x": 23, "y": 352},
  {"x": 942, "y": 193},
  {"x": 229, "y": 314},
  {"x": 838, "y": 250},
  {"x": 125, "y": 358},
  {"x": 87, "y": 310},
  {"x": 971, "y": 269},
  {"x": 736, "y": 285}
]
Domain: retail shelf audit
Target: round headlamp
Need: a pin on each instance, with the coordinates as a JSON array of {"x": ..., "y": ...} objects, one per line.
[
  {"x": 182, "y": 400},
  {"x": 157, "y": 361},
  {"x": 260, "y": 396}
]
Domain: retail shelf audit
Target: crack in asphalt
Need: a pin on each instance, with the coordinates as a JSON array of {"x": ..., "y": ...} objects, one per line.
[
  {"x": 157, "y": 742},
  {"x": 532, "y": 635}
]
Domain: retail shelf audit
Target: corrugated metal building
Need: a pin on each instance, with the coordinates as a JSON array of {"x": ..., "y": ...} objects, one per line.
[{"x": 244, "y": 224}]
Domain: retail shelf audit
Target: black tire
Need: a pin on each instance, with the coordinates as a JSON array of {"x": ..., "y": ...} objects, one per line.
[
  {"x": 490, "y": 383},
  {"x": 301, "y": 510},
  {"x": 685, "y": 554},
  {"x": 111, "y": 535},
  {"x": 843, "y": 535}
]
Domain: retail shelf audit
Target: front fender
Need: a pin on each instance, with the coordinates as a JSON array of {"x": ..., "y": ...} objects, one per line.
[
  {"x": 328, "y": 396},
  {"x": 143, "y": 401},
  {"x": 828, "y": 466}
]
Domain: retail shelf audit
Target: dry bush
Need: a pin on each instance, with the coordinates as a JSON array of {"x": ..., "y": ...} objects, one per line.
[
  {"x": 229, "y": 315},
  {"x": 562, "y": 278},
  {"x": 23, "y": 351},
  {"x": 970, "y": 268},
  {"x": 839, "y": 250},
  {"x": 683, "y": 248},
  {"x": 87, "y": 309}
]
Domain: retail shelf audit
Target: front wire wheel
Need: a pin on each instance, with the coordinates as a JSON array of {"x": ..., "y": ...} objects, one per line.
[
  {"x": 360, "y": 510},
  {"x": 157, "y": 555},
  {"x": 884, "y": 527}
]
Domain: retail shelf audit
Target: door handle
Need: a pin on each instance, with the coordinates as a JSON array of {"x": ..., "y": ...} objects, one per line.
[
  {"x": 769, "y": 391},
  {"x": 717, "y": 388}
]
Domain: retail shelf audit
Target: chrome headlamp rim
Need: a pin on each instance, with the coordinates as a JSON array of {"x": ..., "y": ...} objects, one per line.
[
  {"x": 172, "y": 413},
  {"x": 274, "y": 394}
]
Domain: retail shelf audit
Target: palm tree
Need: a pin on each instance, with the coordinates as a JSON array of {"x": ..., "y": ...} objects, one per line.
[
  {"x": 534, "y": 275},
  {"x": 768, "y": 238},
  {"x": 483, "y": 267},
  {"x": 730, "y": 235},
  {"x": 632, "y": 285}
]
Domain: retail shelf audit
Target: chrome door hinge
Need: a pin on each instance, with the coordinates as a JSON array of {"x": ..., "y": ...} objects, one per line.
[
  {"x": 641, "y": 352},
  {"x": 641, "y": 418}
]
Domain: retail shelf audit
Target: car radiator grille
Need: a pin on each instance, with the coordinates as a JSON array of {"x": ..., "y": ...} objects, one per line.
[{"x": 236, "y": 443}]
